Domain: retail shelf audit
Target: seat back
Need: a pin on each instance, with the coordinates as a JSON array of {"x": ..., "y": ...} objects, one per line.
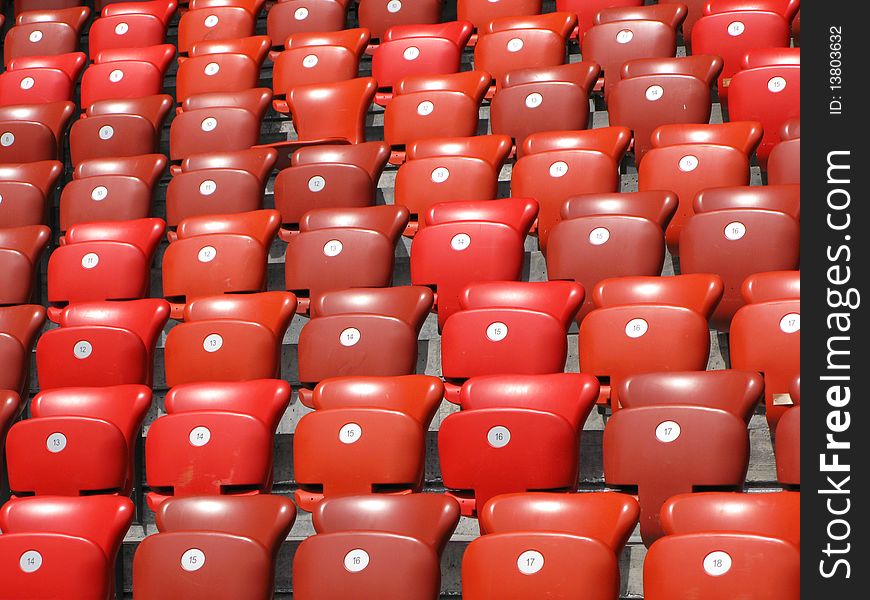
[{"x": 20, "y": 250}]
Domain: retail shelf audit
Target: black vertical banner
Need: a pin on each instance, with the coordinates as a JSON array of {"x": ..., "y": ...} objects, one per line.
[{"x": 835, "y": 271}]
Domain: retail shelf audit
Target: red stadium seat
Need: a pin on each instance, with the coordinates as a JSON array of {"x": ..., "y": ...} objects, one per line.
[
  {"x": 233, "y": 337},
  {"x": 25, "y": 189},
  {"x": 332, "y": 111},
  {"x": 288, "y": 17},
  {"x": 773, "y": 285},
  {"x": 481, "y": 12},
  {"x": 45, "y": 32},
  {"x": 221, "y": 66},
  {"x": 784, "y": 161},
  {"x": 558, "y": 165},
  {"x": 128, "y": 30},
  {"x": 378, "y": 16},
  {"x": 515, "y": 433},
  {"x": 109, "y": 260},
  {"x": 217, "y": 20},
  {"x": 19, "y": 326},
  {"x": 366, "y": 436},
  {"x": 33, "y": 132},
  {"x": 20, "y": 250},
  {"x": 111, "y": 189},
  {"x": 41, "y": 79},
  {"x": 329, "y": 177},
  {"x": 385, "y": 546},
  {"x": 467, "y": 242},
  {"x": 126, "y": 73},
  {"x": 363, "y": 332},
  {"x": 162, "y": 9},
  {"x": 101, "y": 343}
]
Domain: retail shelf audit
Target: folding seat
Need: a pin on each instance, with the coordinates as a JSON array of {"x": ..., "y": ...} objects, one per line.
[
  {"x": 329, "y": 176},
  {"x": 215, "y": 439},
  {"x": 41, "y": 79},
  {"x": 341, "y": 248},
  {"x": 515, "y": 433},
  {"x": 622, "y": 34},
  {"x": 662, "y": 448},
  {"x": 25, "y": 190},
  {"x": 331, "y": 112},
  {"x": 315, "y": 59},
  {"x": 379, "y": 15},
  {"x": 560, "y": 164},
  {"x": 10, "y": 408},
  {"x": 218, "y": 122},
  {"x": 788, "y": 442},
  {"x": 367, "y": 435},
  {"x": 784, "y": 161},
  {"x": 218, "y": 254},
  {"x": 767, "y": 89},
  {"x": 107, "y": 260},
  {"x": 587, "y": 9},
  {"x": 440, "y": 170},
  {"x": 370, "y": 331},
  {"x": 101, "y": 343},
  {"x": 33, "y": 132},
  {"x": 773, "y": 285},
  {"x": 467, "y": 242},
  {"x": 636, "y": 319},
  {"x": 217, "y": 20},
  {"x": 219, "y": 183},
  {"x": 687, "y": 159},
  {"x": 119, "y": 128},
  {"x": 512, "y": 43},
  {"x": 111, "y": 189},
  {"x": 287, "y": 17},
  {"x": 543, "y": 99},
  {"x": 430, "y": 106},
  {"x": 234, "y": 337},
  {"x": 88, "y": 433},
  {"x": 509, "y": 327},
  {"x": 721, "y": 566},
  {"x": 783, "y": 198},
  {"x": 57, "y": 542},
  {"x": 19, "y": 326},
  {"x": 407, "y": 50},
  {"x": 578, "y": 537},
  {"x": 383, "y": 547},
  {"x": 45, "y": 32},
  {"x": 118, "y": 28},
  {"x": 221, "y": 66},
  {"x": 753, "y": 240},
  {"x": 20, "y": 250},
  {"x": 126, "y": 73}
]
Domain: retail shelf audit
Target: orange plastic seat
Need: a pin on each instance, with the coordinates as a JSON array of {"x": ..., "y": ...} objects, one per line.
[
  {"x": 561, "y": 545},
  {"x": 783, "y": 198},
  {"x": 784, "y": 161},
  {"x": 329, "y": 177},
  {"x": 735, "y": 243},
  {"x": 558, "y": 165},
  {"x": 341, "y": 248},
  {"x": 509, "y": 43},
  {"x": 219, "y": 183},
  {"x": 509, "y": 327},
  {"x": 33, "y": 132},
  {"x": 129, "y": 30},
  {"x": 20, "y": 250},
  {"x": 467, "y": 242},
  {"x": 111, "y": 190},
  {"x": 332, "y": 111},
  {"x": 367, "y": 435},
  {"x": 369, "y": 331},
  {"x": 233, "y": 337},
  {"x": 288, "y": 17},
  {"x": 101, "y": 343},
  {"x": 217, "y": 20},
  {"x": 515, "y": 433},
  {"x": 19, "y": 326},
  {"x": 25, "y": 189},
  {"x": 119, "y": 128},
  {"x": 543, "y": 99},
  {"x": 218, "y": 122},
  {"x": 45, "y": 32},
  {"x": 126, "y": 73},
  {"x": 221, "y": 66},
  {"x": 384, "y": 546},
  {"x": 440, "y": 170},
  {"x": 378, "y": 16},
  {"x": 609, "y": 235}
]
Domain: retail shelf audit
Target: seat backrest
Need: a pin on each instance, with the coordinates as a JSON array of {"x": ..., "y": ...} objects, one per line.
[
  {"x": 318, "y": 58},
  {"x": 347, "y": 101},
  {"x": 698, "y": 292},
  {"x": 380, "y": 15},
  {"x": 654, "y": 205},
  {"x": 781, "y": 198},
  {"x": 419, "y": 50},
  {"x": 20, "y": 249},
  {"x": 702, "y": 66},
  {"x": 19, "y": 326},
  {"x": 266, "y": 399},
  {"x": 773, "y": 285},
  {"x": 32, "y": 132},
  {"x": 788, "y": 446}
]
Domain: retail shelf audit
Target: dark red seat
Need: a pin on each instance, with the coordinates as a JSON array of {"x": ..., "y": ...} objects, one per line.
[
  {"x": 543, "y": 99},
  {"x": 561, "y": 545},
  {"x": 378, "y": 16},
  {"x": 367, "y": 435},
  {"x": 45, "y": 32},
  {"x": 164, "y": 10},
  {"x": 101, "y": 343},
  {"x": 20, "y": 250},
  {"x": 587, "y": 9},
  {"x": 773, "y": 285},
  {"x": 515, "y": 433},
  {"x": 130, "y": 30},
  {"x": 33, "y": 132},
  {"x": 19, "y": 326},
  {"x": 509, "y": 327},
  {"x": 332, "y": 111},
  {"x": 783, "y": 198},
  {"x": 609, "y": 235},
  {"x": 481, "y": 12},
  {"x": 441, "y": 170},
  {"x": 784, "y": 161},
  {"x": 217, "y": 20},
  {"x": 111, "y": 189},
  {"x": 288, "y": 17},
  {"x": 25, "y": 189},
  {"x": 126, "y": 73},
  {"x": 221, "y": 66},
  {"x": 41, "y": 79},
  {"x": 329, "y": 177},
  {"x": 233, "y": 337},
  {"x": 385, "y": 547},
  {"x": 363, "y": 332},
  {"x": 466, "y": 242},
  {"x": 342, "y": 248},
  {"x": 219, "y": 183},
  {"x": 558, "y": 165}
]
